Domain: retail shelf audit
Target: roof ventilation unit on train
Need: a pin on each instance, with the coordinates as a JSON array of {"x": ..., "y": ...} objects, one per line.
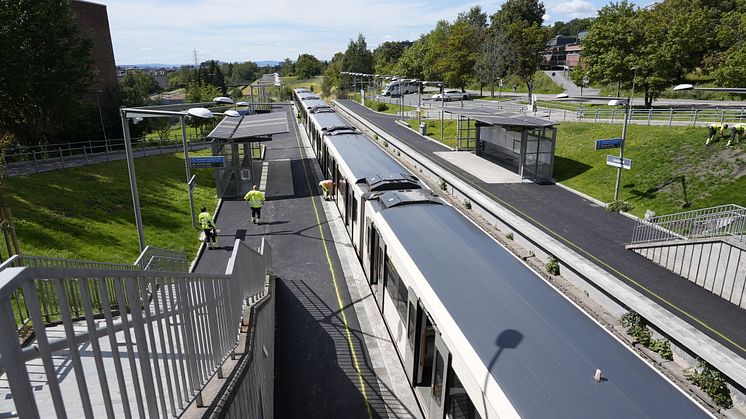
[{"x": 392, "y": 181}]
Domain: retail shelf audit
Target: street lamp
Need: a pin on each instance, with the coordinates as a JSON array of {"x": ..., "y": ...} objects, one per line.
[
  {"x": 628, "y": 105},
  {"x": 139, "y": 113}
]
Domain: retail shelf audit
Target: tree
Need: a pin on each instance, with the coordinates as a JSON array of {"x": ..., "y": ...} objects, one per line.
[
  {"x": 307, "y": 66},
  {"x": 519, "y": 23},
  {"x": 331, "y": 74},
  {"x": 457, "y": 61},
  {"x": 412, "y": 62},
  {"x": 490, "y": 65},
  {"x": 209, "y": 72},
  {"x": 661, "y": 43},
  {"x": 45, "y": 68},
  {"x": 357, "y": 58},
  {"x": 386, "y": 56},
  {"x": 571, "y": 28},
  {"x": 136, "y": 88},
  {"x": 245, "y": 72},
  {"x": 201, "y": 92},
  {"x": 728, "y": 68},
  {"x": 436, "y": 45},
  {"x": 287, "y": 68}
]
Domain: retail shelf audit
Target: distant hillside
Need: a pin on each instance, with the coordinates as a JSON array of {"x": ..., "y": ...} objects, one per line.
[{"x": 267, "y": 63}]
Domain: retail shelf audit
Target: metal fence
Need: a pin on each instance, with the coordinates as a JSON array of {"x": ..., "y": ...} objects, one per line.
[
  {"x": 177, "y": 331},
  {"x": 40, "y": 158},
  {"x": 157, "y": 259},
  {"x": 724, "y": 220},
  {"x": 670, "y": 117}
]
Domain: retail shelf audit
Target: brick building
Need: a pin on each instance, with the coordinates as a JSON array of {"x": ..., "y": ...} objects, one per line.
[{"x": 93, "y": 23}]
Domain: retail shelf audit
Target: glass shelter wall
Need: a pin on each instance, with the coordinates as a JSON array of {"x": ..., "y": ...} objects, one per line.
[
  {"x": 528, "y": 151},
  {"x": 538, "y": 164},
  {"x": 235, "y": 178}
]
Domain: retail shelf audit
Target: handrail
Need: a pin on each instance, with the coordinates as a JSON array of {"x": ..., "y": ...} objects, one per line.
[
  {"x": 721, "y": 221},
  {"x": 178, "y": 329},
  {"x": 155, "y": 258}
]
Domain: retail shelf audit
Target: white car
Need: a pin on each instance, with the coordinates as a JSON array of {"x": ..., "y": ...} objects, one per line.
[{"x": 449, "y": 95}]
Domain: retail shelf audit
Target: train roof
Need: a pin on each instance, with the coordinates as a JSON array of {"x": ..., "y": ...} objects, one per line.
[
  {"x": 540, "y": 349},
  {"x": 363, "y": 157},
  {"x": 330, "y": 120}
]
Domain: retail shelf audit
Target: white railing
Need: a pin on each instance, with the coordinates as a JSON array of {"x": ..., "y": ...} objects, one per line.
[
  {"x": 175, "y": 333},
  {"x": 157, "y": 259},
  {"x": 721, "y": 221}
]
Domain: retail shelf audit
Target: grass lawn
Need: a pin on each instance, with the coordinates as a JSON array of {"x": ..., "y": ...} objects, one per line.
[
  {"x": 542, "y": 84},
  {"x": 383, "y": 107},
  {"x": 314, "y": 84},
  {"x": 433, "y": 130},
  {"x": 672, "y": 170},
  {"x": 86, "y": 212}
]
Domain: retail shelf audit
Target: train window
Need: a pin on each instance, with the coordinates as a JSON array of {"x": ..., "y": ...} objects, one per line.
[
  {"x": 458, "y": 403},
  {"x": 438, "y": 377},
  {"x": 397, "y": 289}
]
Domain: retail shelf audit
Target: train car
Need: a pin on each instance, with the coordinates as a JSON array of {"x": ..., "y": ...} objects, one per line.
[{"x": 480, "y": 334}]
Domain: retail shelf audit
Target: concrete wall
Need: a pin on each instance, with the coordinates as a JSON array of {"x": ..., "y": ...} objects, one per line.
[{"x": 718, "y": 266}]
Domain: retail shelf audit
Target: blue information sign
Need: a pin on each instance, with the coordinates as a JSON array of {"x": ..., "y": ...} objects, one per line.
[
  {"x": 608, "y": 143},
  {"x": 207, "y": 162}
]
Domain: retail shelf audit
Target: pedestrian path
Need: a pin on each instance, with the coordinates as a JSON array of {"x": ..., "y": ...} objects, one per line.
[
  {"x": 595, "y": 234},
  {"x": 333, "y": 354}
]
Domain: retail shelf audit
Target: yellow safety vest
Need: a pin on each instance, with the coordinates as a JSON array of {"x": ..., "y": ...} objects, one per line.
[
  {"x": 255, "y": 198},
  {"x": 205, "y": 221}
]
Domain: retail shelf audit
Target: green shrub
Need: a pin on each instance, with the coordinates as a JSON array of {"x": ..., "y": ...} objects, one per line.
[
  {"x": 509, "y": 236},
  {"x": 552, "y": 266},
  {"x": 443, "y": 185},
  {"x": 636, "y": 327},
  {"x": 619, "y": 206},
  {"x": 381, "y": 107},
  {"x": 712, "y": 382},
  {"x": 467, "y": 204},
  {"x": 663, "y": 347}
]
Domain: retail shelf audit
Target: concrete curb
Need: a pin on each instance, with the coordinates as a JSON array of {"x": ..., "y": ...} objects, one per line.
[{"x": 544, "y": 245}]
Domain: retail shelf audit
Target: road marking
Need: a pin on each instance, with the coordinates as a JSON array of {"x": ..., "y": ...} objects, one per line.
[
  {"x": 265, "y": 172},
  {"x": 334, "y": 278}
]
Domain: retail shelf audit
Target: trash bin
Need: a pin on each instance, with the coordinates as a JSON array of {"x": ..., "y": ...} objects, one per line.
[{"x": 423, "y": 128}]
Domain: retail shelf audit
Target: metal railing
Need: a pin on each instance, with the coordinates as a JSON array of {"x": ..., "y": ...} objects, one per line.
[
  {"x": 178, "y": 329},
  {"x": 41, "y": 158},
  {"x": 670, "y": 117},
  {"x": 157, "y": 259},
  {"x": 152, "y": 258},
  {"x": 724, "y": 220}
]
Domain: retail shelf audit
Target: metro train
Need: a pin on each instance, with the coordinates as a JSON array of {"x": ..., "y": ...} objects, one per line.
[{"x": 479, "y": 334}]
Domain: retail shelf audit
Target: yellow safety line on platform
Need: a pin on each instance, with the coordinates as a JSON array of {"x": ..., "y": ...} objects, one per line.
[
  {"x": 334, "y": 280},
  {"x": 599, "y": 261}
]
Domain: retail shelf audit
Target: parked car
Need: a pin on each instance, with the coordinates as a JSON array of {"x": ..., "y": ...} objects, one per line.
[{"x": 449, "y": 95}]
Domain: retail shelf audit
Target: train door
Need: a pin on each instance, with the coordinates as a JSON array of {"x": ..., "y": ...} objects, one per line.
[
  {"x": 377, "y": 277},
  {"x": 423, "y": 361},
  {"x": 414, "y": 319},
  {"x": 439, "y": 388}
]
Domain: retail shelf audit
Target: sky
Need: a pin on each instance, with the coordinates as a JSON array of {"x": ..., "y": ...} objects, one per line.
[{"x": 168, "y": 31}]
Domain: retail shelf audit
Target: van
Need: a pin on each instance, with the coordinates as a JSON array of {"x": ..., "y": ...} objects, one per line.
[{"x": 398, "y": 87}]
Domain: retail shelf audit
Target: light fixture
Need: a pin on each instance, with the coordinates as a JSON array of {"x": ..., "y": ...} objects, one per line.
[
  {"x": 223, "y": 100},
  {"x": 200, "y": 112}
]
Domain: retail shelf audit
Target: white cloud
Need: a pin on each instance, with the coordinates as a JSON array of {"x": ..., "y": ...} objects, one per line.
[{"x": 574, "y": 9}]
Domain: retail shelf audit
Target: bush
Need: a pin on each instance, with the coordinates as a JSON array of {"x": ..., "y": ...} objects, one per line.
[
  {"x": 636, "y": 327},
  {"x": 552, "y": 266},
  {"x": 467, "y": 204},
  {"x": 509, "y": 236},
  {"x": 619, "y": 206},
  {"x": 443, "y": 185},
  {"x": 381, "y": 107},
  {"x": 712, "y": 382},
  {"x": 663, "y": 347}
]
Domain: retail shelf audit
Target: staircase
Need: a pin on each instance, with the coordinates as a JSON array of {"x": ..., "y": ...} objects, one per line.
[{"x": 707, "y": 247}]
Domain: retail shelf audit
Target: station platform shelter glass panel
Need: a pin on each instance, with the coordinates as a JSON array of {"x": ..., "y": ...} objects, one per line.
[
  {"x": 235, "y": 179},
  {"x": 524, "y": 145}
]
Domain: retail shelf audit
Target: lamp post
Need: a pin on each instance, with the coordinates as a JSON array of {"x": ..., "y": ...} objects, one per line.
[
  {"x": 138, "y": 113},
  {"x": 627, "y": 107},
  {"x": 101, "y": 115}
]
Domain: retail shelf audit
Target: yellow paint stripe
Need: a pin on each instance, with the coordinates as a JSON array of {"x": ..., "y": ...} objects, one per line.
[
  {"x": 598, "y": 261},
  {"x": 334, "y": 281}
]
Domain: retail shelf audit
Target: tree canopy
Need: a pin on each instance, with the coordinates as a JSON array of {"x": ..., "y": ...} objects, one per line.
[
  {"x": 307, "y": 66},
  {"x": 45, "y": 68},
  {"x": 136, "y": 88},
  {"x": 357, "y": 58}
]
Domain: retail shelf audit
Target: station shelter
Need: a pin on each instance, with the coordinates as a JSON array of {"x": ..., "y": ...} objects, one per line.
[
  {"x": 520, "y": 143},
  {"x": 239, "y": 142}
]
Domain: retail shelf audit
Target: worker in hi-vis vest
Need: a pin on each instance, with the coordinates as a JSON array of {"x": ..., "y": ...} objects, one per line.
[
  {"x": 714, "y": 130},
  {"x": 208, "y": 226},
  {"x": 328, "y": 187},
  {"x": 255, "y": 198},
  {"x": 737, "y": 131}
]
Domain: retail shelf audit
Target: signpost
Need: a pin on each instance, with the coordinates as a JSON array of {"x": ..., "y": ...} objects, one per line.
[
  {"x": 616, "y": 161},
  {"x": 207, "y": 162},
  {"x": 608, "y": 143}
]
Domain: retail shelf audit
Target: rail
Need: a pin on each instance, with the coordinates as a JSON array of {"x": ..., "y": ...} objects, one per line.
[
  {"x": 721, "y": 221},
  {"x": 152, "y": 258},
  {"x": 178, "y": 329},
  {"x": 41, "y": 158}
]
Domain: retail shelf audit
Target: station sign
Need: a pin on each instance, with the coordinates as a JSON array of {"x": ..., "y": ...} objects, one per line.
[
  {"x": 608, "y": 143},
  {"x": 207, "y": 162},
  {"x": 617, "y": 162}
]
